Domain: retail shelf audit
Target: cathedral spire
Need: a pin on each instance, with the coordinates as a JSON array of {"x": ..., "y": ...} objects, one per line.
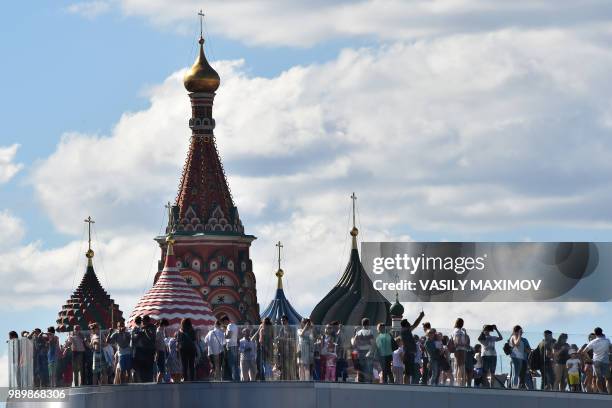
[
  {"x": 279, "y": 273},
  {"x": 354, "y": 231},
  {"x": 90, "y": 253},
  {"x": 280, "y": 306},
  {"x": 205, "y": 242},
  {"x": 201, "y": 77}
]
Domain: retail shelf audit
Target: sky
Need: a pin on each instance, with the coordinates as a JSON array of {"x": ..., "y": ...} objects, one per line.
[{"x": 462, "y": 120}]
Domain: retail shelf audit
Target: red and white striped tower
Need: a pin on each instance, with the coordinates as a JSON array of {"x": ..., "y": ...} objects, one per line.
[{"x": 173, "y": 299}]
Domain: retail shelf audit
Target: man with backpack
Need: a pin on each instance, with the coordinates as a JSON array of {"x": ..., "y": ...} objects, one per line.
[
  {"x": 143, "y": 341},
  {"x": 410, "y": 348},
  {"x": 544, "y": 362}
]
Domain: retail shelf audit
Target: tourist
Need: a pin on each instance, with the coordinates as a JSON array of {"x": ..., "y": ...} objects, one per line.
[
  {"x": 173, "y": 361},
  {"x": 425, "y": 361},
  {"x": 470, "y": 361},
  {"x": 385, "y": 353},
  {"x": 364, "y": 343},
  {"x": 99, "y": 364},
  {"x": 135, "y": 334},
  {"x": 265, "y": 338},
  {"x": 433, "y": 356},
  {"x": 329, "y": 351},
  {"x": 397, "y": 362},
  {"x": 519, "y": 351},
  {"x": 286, "y": 348},
  {"x": 341, "y": 363},
  {"x": 574, "y": 368},
  {"x": 248, "y": 357},
  {"x": 76, "y": 343},
  {"x": 215, "y": 342},
  {"x": 160, "y": 349},
  {"x": 588, "y": 381},
  {"x": 460, "y": 340},
  {"x": 446, "y": 372},
  {"x": 231, "y": 345},
  {"x": 545, "y": 357},
  {"x": 41, "y": 356},
  {"x": 489, "y": 355},
  {"x": 305, "y": 350},
  {"x": 409, "y": 348},
  {"x": 52, "y": 355},
  {"x": 418, "y": 358},
  {"x": 478, "y": 375},
  {"x": 202, "y": 363},
  {"x": 143, "y": 342},
  {"x": 186, "y": 339},
  {"x": 601, "y": 358},
  {"x": 560, "y": 357},
  {"x": 122, "y": 340}
]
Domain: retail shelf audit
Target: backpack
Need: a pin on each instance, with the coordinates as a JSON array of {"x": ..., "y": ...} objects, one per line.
[
  {"x": 535, "y": 359},
  {"x": 507, "y": 348}
]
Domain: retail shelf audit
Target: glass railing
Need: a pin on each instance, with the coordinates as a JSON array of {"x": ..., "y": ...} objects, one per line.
[{"x": 311, "y": 353}]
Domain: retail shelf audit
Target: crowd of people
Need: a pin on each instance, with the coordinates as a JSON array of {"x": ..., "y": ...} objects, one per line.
[{"x": 148, "y": 352}]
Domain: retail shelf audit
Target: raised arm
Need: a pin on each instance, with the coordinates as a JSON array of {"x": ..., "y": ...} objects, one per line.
[{"x": 417, "y": 321}]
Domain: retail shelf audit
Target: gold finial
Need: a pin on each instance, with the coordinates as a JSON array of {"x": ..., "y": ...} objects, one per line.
[
  {"x": 170, "y": 241},
  {"x": 90, "y": 253},
  {"x": 354, "y": 230},
  {"x": 201, "y": 77},
  {"x": 279, "y": 273}
]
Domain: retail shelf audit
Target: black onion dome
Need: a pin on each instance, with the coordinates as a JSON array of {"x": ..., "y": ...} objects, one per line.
[
  {"x": 353, "y": 298},
  {"x": 89, "y": 303}
]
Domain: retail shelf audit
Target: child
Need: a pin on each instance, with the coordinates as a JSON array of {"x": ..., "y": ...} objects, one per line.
[
  {"x": 398, "y": 365},
  {"x": 330, "y": 361},
  {"x": 573, "y": 370},
  {"x": 478, "y": 366}
]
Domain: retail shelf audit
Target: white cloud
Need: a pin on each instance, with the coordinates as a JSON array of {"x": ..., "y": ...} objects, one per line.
[
  {"x": 89, "y": 9},
  {"x": 456, "y": 135},
  {"x": 8, "y": 168},
  {"x": 41, "y": 277},
  {"x": 11, "y": 228},
  {"x": 305, "y": 23}
]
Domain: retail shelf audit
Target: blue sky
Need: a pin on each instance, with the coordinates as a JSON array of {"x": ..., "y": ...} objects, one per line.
[{"x": 450, "y": 123}]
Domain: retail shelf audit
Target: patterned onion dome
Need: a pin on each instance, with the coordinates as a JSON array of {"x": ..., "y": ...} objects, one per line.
[
  {"x": 173, "y": 299},
  {"x": 88, "y": 304},
  {"x": 280, "y": 306}
]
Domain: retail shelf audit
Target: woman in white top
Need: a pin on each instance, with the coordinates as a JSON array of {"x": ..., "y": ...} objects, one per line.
[
  {"x": 460, "y": 340},
  {"x": 397, "y": 363},
  {"x": 305, "y": 349},
  {"x": 520, "y": 351}
]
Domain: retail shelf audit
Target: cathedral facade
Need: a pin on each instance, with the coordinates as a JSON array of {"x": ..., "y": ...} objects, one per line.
[{"x": 211, "y": 248}]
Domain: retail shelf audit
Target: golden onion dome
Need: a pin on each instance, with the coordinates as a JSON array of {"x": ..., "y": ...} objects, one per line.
[{"x": 202, "y": 77}]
